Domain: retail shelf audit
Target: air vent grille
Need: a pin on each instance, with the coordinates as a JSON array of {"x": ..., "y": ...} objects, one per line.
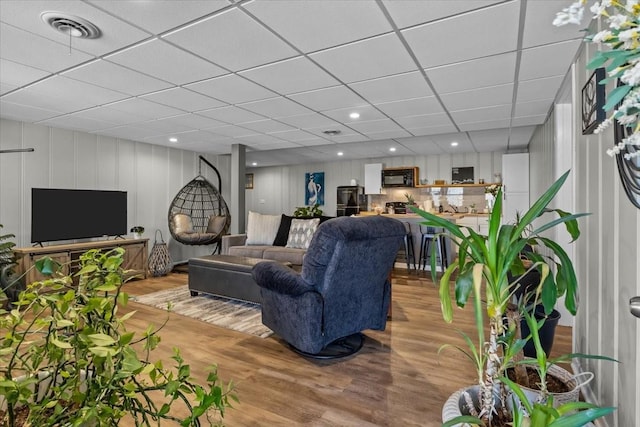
[{"x": 71, "y": 25}]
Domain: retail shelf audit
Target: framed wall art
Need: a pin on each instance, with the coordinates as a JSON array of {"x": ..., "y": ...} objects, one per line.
[
  {"x": 593, "y": 99},
  {"x": 248, "y": 181}
]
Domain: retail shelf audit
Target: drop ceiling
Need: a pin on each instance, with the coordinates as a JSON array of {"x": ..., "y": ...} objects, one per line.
[{"x": 274, "y": 75}]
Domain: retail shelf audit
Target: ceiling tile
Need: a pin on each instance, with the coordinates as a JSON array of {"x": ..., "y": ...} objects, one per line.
[
  {"x": 291, "y": 76},
  {"x": 491, "y": 71},
  {"x": 539, "y": 15},
  {"x": 535, "y": 62},
  {"x": 296, "y": 135},
  {"x": 163, "y": 127},
  {"x": 329, "y": 99},
  {"x": 6, "y": 88},
  {"x": 115, "y": 33},
  {"x": 61, "y": 94},
  {"x": 38, "y": 52},
  {"x": 408, "y": 13},
  {"x": 267, "y": 126},
  {"x": 367, "y": 59},
  {"x": 411, "y": 107},
  {"x": 529, "y": 120},
  {"x": 276, "y": 107},
  {"x": 312, "y": 25},
  {"x": 367, "y": 113},
  {"x": 17, "y": 75},
  {"x": 499, "y": 34},
  {"x": 490, "y": 140},
  {"x": 201, "y": 136},
  {"x": 163, "y": 61},
  {"x": 481, "y": 114},
  {"x": 77, "y": 123},
  {"x": 492, "y": 124},
  {"x": 533, "y": 108},
  {"x": 232, "y": 131},
  {"x": 343, "y": 131},
  {"x": 391, "y": 133},
  {"x": 19, "y": 112},
  {"x": 424, "y": 120},
  {"x": 545, "y": 88},
  {"x": 184, "y": 99},
  {"x": 195, "y": 121},
  {"x": 232, "y": 89},
  {"x": 157, "y": 17},
  {"x": 393, "y": 88},
  {"x": 142, "y": 107},
  {"x": 433, "y": 130},
  {"x": 309, "y": 121},
  {"x": 375, "y": 126},
  {"x": 477, "y": 98},
  {"x": 129, "y": 132},
  {"x": 263, "y": 140},
  {"x": 231, "y": 114},
  {"x": 521, "y": 136},
  {"x": 232, "y": 40},
  {"x": 111, "y": 115},
  {"x": 114, "y": 77}
]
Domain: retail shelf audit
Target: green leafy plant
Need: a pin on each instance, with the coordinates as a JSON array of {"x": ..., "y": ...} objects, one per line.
[
  {"x": 483, "y": 266},
  {"x": 7, "y": 261},
  {"x": 137, "y": 229},
  {"x": 67, "y": 358},
  {"x": 308, "y": 211},
  {"x": 410, "y": 199}
]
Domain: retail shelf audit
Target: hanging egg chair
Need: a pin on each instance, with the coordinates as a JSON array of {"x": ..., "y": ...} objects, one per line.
[{"x": 198, "y": 214}]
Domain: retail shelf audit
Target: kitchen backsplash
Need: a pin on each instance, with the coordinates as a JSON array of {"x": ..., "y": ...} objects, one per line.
[{"x": 452, "y": 199}]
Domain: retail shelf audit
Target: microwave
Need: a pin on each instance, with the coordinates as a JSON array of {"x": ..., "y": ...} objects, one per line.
[{"x": 399, "y": 177}]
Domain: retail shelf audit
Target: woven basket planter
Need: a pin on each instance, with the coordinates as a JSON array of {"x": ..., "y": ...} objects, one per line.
[{"x": 159, "y": 260}]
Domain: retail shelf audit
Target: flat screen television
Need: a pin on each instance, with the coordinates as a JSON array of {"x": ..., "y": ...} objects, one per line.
[{"x": 60, "y": 214}]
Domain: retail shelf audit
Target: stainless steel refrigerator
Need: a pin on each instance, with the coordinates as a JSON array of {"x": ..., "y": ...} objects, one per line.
[{"x": 351, "y": 200}]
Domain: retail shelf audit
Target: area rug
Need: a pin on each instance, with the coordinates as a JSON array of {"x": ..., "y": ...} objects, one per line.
[{"x": 227, "y": 313}]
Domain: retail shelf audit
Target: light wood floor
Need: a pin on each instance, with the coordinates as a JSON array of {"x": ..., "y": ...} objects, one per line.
[{"x": 397, "y": 379}]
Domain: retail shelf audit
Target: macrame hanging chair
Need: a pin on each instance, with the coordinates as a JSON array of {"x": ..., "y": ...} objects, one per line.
[{"x": 198, "y": 214}]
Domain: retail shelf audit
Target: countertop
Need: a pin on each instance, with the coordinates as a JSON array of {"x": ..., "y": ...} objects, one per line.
[{"x": 453, "y": 216}]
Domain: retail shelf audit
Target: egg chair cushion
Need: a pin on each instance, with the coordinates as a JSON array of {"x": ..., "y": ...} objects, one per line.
[
  {"x": 182, "y": 224},
  {"x": 216, "y": 224}
]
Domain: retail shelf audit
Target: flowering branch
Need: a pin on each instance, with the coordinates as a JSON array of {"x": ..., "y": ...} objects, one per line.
[{"x": 621, "y": 61}]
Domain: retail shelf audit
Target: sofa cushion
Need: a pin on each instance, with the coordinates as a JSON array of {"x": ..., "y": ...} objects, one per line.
[
  {"x": 283, "y": 231},
  {"x": 255, "y": 251},
  {"x": 301, "y": 232},
  {"x": 262, "y": 229}
]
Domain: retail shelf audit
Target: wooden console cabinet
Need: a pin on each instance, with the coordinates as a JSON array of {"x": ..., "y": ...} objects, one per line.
[{"x": 135, "y": 256}]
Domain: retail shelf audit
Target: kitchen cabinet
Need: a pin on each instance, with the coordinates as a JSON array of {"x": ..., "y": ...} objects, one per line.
[{"x": 373, "y": 178}]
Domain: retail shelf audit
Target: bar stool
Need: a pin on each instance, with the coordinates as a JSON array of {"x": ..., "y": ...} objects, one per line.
[
  {"x": 429, "y": 235},
  {"x": 409, "y": 250}
]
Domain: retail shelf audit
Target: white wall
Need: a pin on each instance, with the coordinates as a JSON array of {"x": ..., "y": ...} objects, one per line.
[
  {"x": 281, "y": 189},
  {"x": 606, "y": 257},
  {"x": 150, "y": 174}
]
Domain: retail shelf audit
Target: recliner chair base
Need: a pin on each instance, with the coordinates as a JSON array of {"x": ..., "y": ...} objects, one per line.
[{"x": 341, "y": 347}]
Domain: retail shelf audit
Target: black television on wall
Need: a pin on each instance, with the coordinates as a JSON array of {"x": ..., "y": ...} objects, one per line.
[{"x": 64, "y": 214}]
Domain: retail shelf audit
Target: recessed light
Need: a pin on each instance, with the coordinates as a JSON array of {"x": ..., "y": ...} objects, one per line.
[
  {"x": 254, "y": 164},
  {"x": 340, "y": 153},
  {"x": 173, "y": 139},
  {"x": 392, "y": 149},
  {"x": 354, "y": 115},
  {"x": 454, "y": 144}
]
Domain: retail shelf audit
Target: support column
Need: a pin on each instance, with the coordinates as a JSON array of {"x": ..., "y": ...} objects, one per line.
[{"x": 237, "y": 203}]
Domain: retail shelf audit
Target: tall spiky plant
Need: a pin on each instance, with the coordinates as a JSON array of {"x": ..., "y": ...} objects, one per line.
[{"x": 484, "y": 263}]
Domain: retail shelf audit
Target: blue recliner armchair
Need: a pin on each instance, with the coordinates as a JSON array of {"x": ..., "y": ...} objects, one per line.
[{"x": 343, "y": 287}]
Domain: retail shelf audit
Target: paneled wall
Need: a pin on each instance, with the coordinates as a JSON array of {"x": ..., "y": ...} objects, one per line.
[
  {"x": 606, "y": 255},
  {"x": 150, "y": 174},
  {"x": 281, "y": 189}
]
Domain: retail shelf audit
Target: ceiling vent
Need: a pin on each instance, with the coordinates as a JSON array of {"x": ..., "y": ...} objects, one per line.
[
  {"x": 331, "y": 132},
  {"x": 70, "y": 25}
]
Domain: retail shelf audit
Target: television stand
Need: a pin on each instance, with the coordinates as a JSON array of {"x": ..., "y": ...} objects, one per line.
[{"x": 135, "y": 256}]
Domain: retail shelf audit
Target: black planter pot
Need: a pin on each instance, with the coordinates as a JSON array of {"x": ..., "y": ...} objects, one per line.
[{"x": 547, "y": 332}]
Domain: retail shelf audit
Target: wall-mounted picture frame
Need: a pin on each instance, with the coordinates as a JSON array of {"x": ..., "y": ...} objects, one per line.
[
  {"x": 248, "y": 181},
  {"x": 314, "y": 193},
  {"x": 593, "y": 99}
]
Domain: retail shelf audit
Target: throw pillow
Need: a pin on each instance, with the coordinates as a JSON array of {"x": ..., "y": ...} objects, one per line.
[
  {"x": 182, "y": 224},
  {"x": 262, "y": 229},
  {"x": 301, "y": 232},
  {"x": 216, "y": 224},
  {"x": 283, "y": 231}
]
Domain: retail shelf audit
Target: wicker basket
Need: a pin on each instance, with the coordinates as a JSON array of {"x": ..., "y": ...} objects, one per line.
[
  {"x": 573, "y": 382},
  {"x": 159, "y": 260}
]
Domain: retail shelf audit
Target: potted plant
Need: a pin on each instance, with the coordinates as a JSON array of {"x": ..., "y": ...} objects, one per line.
[
  {"x": 482, "y": 268},
  {"x": 67, "y": 358},
  {"x": 7, "y": 261},
  {"x": 308, "y": 211},
  {"x": 137, "y": 231}
]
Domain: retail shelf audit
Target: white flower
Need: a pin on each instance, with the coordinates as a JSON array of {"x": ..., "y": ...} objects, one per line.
[
  {"x": 570, "y": 15},
  {"x": 618, "y": 21},
  {"x": 602, "y": 36},
  {"x": 630, "y": 5},
  {"x": 598, "y": 7}
]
